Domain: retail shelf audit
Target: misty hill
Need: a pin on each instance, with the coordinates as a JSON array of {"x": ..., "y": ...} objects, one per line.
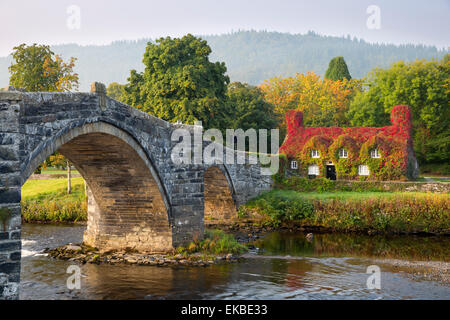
[{"x": 250, "y": 56}]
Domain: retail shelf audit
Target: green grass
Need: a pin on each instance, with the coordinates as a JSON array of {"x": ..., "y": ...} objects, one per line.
[
  {"x": 214, "y": 242},
  {"x": 38, "y": 189},
  {"x": 48, "y": 201},
  {"x": 344, "y": 195},
  {"x": 434, "y": 179}
]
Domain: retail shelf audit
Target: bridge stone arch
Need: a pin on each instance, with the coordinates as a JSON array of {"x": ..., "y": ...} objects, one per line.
[
  {"x": 118, "y": 150},
  {"x": 219, "y": 194},
  {"x": 128, "y": 205}
]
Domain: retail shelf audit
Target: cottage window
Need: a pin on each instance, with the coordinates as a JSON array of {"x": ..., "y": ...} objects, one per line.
[
  {"x": 294, "y": 165},
  {"x": 313, "y": 170},
  {"x": 343, "y": 153},
  {"x": 315, "y": 154},
  {"x": 375, "y": 154},
  {"x": 363, "y": 170}
]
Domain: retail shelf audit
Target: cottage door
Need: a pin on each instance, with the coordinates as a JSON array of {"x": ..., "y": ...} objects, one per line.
[{"x": 331, "y": 172}]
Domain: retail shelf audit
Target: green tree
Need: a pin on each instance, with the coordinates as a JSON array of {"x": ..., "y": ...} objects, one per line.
[
  {"x": 337, "y": 70},
  {"x": 179, "y": 83},
  {"x": 424, "y": 86},
  {"x": 249, "y": 109},
  {"x": 115, "y": 90},
  {"x": 37, "y": 68}
]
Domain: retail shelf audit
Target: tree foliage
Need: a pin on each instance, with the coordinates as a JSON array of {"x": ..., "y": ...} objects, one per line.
[
  {"x": 250, "y": 56},
  {"x": 324, "y": 103},
  {"x": 115, "y": 90},
  {"x": 337, "y": 70},
  {"x": 249, "y": 109},
  {"x": 37, "y": 68},
  {"x": 424, "y": 86},
  {"x": 180, "y": 83}
]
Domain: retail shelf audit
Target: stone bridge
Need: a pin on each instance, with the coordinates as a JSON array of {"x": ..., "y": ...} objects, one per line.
[{"x": 137, "y": 196}]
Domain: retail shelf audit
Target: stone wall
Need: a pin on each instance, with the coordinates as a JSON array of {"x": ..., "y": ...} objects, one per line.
[
  {"x": 10, "y": 182},
  {"x": 138, "y": 197},
  {"x": 219, "y": 203}
]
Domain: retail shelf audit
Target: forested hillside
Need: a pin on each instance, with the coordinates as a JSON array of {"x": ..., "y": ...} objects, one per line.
[{"x": 250, "y": 56}]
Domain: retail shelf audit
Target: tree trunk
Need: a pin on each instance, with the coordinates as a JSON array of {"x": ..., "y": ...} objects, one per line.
[{"x": 69, "y": 182}]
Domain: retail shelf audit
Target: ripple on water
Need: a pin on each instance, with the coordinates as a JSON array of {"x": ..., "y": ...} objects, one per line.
[{"x": 292, "y": 269}]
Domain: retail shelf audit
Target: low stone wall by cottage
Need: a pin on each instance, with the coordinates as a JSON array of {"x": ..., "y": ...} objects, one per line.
[
  {"x": 398, "y": 186},
  {"x": 321, "y": 184}
]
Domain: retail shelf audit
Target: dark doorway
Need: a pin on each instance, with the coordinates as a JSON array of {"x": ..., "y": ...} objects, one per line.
[{"x": 331, "y": 172}]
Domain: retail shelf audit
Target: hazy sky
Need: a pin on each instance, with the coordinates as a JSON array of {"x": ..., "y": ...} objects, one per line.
[{"x": 103, "y": 21}]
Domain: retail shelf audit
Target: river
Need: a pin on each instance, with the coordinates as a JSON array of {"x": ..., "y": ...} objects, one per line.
[{"x": 284, "y": 266}]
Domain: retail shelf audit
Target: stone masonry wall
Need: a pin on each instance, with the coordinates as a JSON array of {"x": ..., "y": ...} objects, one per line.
[
  {"x": 219, "y": 203},
  {"x": 138, "y": 197}
]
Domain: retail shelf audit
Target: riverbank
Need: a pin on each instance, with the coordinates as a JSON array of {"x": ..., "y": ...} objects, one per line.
[
  {"x": 45, "y": 201},
  {"x": 364, "y": 212},
  {"x": 320, "y": 209}
]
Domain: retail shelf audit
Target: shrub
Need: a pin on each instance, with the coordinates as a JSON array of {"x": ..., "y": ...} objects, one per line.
[
  {"x": 56, "y": 206},
  {"x": 54, "y": 210},
  {"x": 282, "y": 206},
  {"x": 214, "y": 242},
  {"x": 385, "y": 212}
]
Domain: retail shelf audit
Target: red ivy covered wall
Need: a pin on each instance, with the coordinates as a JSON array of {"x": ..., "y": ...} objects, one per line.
[{"x": 394, "y": 143}]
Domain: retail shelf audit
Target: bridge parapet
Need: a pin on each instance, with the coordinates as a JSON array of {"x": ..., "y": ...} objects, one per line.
[{"x": 138, "y": 197}]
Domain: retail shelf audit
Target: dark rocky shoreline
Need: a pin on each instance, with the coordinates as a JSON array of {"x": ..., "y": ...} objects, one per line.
[{"x": 85, "y": 254}]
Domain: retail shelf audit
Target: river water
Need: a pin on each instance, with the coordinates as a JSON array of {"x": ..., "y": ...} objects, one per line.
[{"x": 285, "y": 266}]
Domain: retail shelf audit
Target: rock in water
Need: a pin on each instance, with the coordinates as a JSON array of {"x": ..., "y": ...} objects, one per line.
[{"x": 72, "y": 247}]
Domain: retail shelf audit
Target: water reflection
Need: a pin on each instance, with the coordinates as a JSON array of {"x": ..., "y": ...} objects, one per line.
[
  {"x": 289, "y": 267},
  {"x": 345, "y": 245}
]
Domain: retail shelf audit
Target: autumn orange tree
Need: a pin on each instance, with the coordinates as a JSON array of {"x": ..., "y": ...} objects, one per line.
[{"x": 324, "y": 103}]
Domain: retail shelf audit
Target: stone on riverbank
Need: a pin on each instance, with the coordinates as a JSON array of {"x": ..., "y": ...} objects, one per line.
[{"x": 86, "y": 254}]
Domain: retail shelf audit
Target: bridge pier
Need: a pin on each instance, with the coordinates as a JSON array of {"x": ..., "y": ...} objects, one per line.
[
  {"x": 10, "y": 184},
  {"x": 138, "y": 197}
]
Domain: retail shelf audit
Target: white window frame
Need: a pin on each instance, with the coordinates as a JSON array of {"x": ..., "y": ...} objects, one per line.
[
  {"x": 375, "y": 154},
  {"x": 313, "y": 170},
  {"x": 294, "y": 165},
  {"x": 315, "y": 154},
  {"x": 343, "y": 153},
  {"x": 363, "y": 170}
]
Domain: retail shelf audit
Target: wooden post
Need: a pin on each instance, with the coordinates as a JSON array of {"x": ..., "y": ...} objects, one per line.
[{"x": 69, "y": 184}]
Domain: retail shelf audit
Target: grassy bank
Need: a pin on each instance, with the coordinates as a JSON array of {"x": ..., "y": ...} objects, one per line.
[
  {"x": 48, "y": 201},
  {"x": 370, "y": 210},
  {"x": 356, "y": 211},
  {"x": 214, "y": 242}
]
